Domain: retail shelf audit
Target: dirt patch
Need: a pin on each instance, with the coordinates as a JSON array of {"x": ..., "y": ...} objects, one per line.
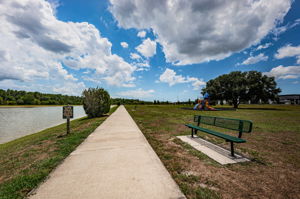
[{"x": 23, "y": 159}]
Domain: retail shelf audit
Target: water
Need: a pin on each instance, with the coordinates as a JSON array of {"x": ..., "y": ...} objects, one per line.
[{"x": 18, "y": 122}]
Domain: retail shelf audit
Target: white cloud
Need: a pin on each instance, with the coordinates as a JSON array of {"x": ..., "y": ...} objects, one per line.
[
  {"x": 54, "y": 5},
  {"x": 147, "y": 48},
  {"x": 135, "y": 56},
  {"x": 263, "y": 46},
  {"x": 34, "y": 43},
  {"x": 289, "y": 51},
  {"x": 142, "y": 66},
  {"x": 124, "y": 44},
  {"x": 91, "y": 79},
  {"x": 170, "y": 77},
  {"x": 255, "y": 59},
  {"x": 138, "y": 93},
  {"x": 197, "y": 31},
  {"x": 196, "y": 83},
  {"x": 141, "y": 34},
  {"x": 64, "y": 73},
  {"x": 281, "y": 29},
  {"x": 281, "y": 72},
  {"x": 69, "y": 88}
]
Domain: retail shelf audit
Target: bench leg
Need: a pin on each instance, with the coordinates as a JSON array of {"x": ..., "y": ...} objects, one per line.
[
  {"x": 232, "y": 149},
  {"x": 192, "y": 132}
]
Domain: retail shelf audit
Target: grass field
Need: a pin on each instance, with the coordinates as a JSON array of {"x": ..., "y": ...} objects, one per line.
[
  {"x": 273, "y": 146},
  {"x": 27, "y": 161}
]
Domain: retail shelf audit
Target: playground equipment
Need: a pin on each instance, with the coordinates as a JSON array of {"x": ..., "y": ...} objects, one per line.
[{"x": 204, "y": 104}]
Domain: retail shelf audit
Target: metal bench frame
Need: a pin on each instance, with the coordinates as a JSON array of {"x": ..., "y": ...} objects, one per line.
[{"x": 241, "y": 128}]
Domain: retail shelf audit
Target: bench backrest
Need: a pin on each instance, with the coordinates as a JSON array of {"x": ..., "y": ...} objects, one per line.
[{"x": 227, "y": 123}]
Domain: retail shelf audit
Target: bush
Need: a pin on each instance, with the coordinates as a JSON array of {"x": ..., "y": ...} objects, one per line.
[{"x": 96, "y": 102}]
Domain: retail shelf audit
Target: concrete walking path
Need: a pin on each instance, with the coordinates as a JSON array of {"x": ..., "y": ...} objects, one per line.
[{"x": 115, "y": 161}]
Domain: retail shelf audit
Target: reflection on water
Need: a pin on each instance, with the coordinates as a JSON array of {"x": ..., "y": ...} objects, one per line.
[{"x": 18, "y": 122}]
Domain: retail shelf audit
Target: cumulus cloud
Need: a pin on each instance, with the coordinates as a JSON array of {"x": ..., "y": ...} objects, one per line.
[
  {"x": 289, "y": 51},
  {"x": 197, "y": 31},
  {"x": 284, "y": 72},
  {"x": 141, "y": 34},
  {"x": 35, "y": 46},
  {"x": 138, "y": 93},
  {"x": 64, "y": 73},
  {"x": 124, "y": 44},
  {"x": 196, "y": 83},
  {"x": 255, "y": 59},
  {"x": 147, "y": 48},
  {"x": 170, "y": 77}
]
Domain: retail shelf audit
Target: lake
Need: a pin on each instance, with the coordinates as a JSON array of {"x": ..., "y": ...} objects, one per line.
[{"x": 18, "y": 122}]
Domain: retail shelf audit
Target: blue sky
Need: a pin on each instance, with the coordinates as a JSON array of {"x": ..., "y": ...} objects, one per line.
[{"x": 163, "y": 50}]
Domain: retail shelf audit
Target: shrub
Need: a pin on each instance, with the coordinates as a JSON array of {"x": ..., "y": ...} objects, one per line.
[{"x": 96, "y": 102}]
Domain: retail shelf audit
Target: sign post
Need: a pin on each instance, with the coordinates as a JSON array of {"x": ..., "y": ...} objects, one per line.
[{"x": 67, "y": 114}]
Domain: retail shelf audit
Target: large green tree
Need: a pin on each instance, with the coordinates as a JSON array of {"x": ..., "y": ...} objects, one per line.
[{"x": 240, "y": 86}]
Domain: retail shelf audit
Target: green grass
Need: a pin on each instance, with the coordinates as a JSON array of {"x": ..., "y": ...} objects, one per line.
[
  {"x": 27, "y": 161},
  {"x": 273, "y": 147}
]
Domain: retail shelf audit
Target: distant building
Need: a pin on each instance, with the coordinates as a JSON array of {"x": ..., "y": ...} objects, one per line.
[{"x": 289, "y": 99}]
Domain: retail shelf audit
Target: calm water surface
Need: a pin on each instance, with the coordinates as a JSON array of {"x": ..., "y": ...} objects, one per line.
[{"x": 18, "y": 122}]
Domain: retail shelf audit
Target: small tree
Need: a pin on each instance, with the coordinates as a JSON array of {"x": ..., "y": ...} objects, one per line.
[{"x": 96, "y": 102}]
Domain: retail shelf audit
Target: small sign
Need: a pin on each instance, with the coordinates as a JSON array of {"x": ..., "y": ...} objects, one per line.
[{"x": 67, "y": 112}]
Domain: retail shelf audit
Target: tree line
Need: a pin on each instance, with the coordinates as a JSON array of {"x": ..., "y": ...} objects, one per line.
[
  {"x": 119, "y": 101},
  {"x": 15, "y": 97}
]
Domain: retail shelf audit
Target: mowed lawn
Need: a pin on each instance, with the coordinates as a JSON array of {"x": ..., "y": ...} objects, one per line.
[{"x": 273, "y": 147}]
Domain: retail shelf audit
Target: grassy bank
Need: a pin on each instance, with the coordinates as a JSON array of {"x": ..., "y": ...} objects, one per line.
[
  {"x": 27, "y": 161},
  {"x": 273, "y": 147}
]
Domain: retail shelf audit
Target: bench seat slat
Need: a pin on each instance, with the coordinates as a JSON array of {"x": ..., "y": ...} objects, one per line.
[{"x": 221, "y": 135}]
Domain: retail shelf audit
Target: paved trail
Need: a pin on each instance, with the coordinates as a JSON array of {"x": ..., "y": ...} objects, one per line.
[{"x": 115, "y": 161}]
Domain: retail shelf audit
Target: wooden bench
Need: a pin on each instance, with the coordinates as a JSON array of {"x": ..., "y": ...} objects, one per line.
[{"x": 242, "y": 126}]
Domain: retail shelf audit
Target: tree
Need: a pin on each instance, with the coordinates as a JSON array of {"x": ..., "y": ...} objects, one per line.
[
  {"x": 20, "y": 101},
  {"x": 28, "y": 99},
  {"x": 240, "y": 86},
  {"x": 96, "y": 102}
]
